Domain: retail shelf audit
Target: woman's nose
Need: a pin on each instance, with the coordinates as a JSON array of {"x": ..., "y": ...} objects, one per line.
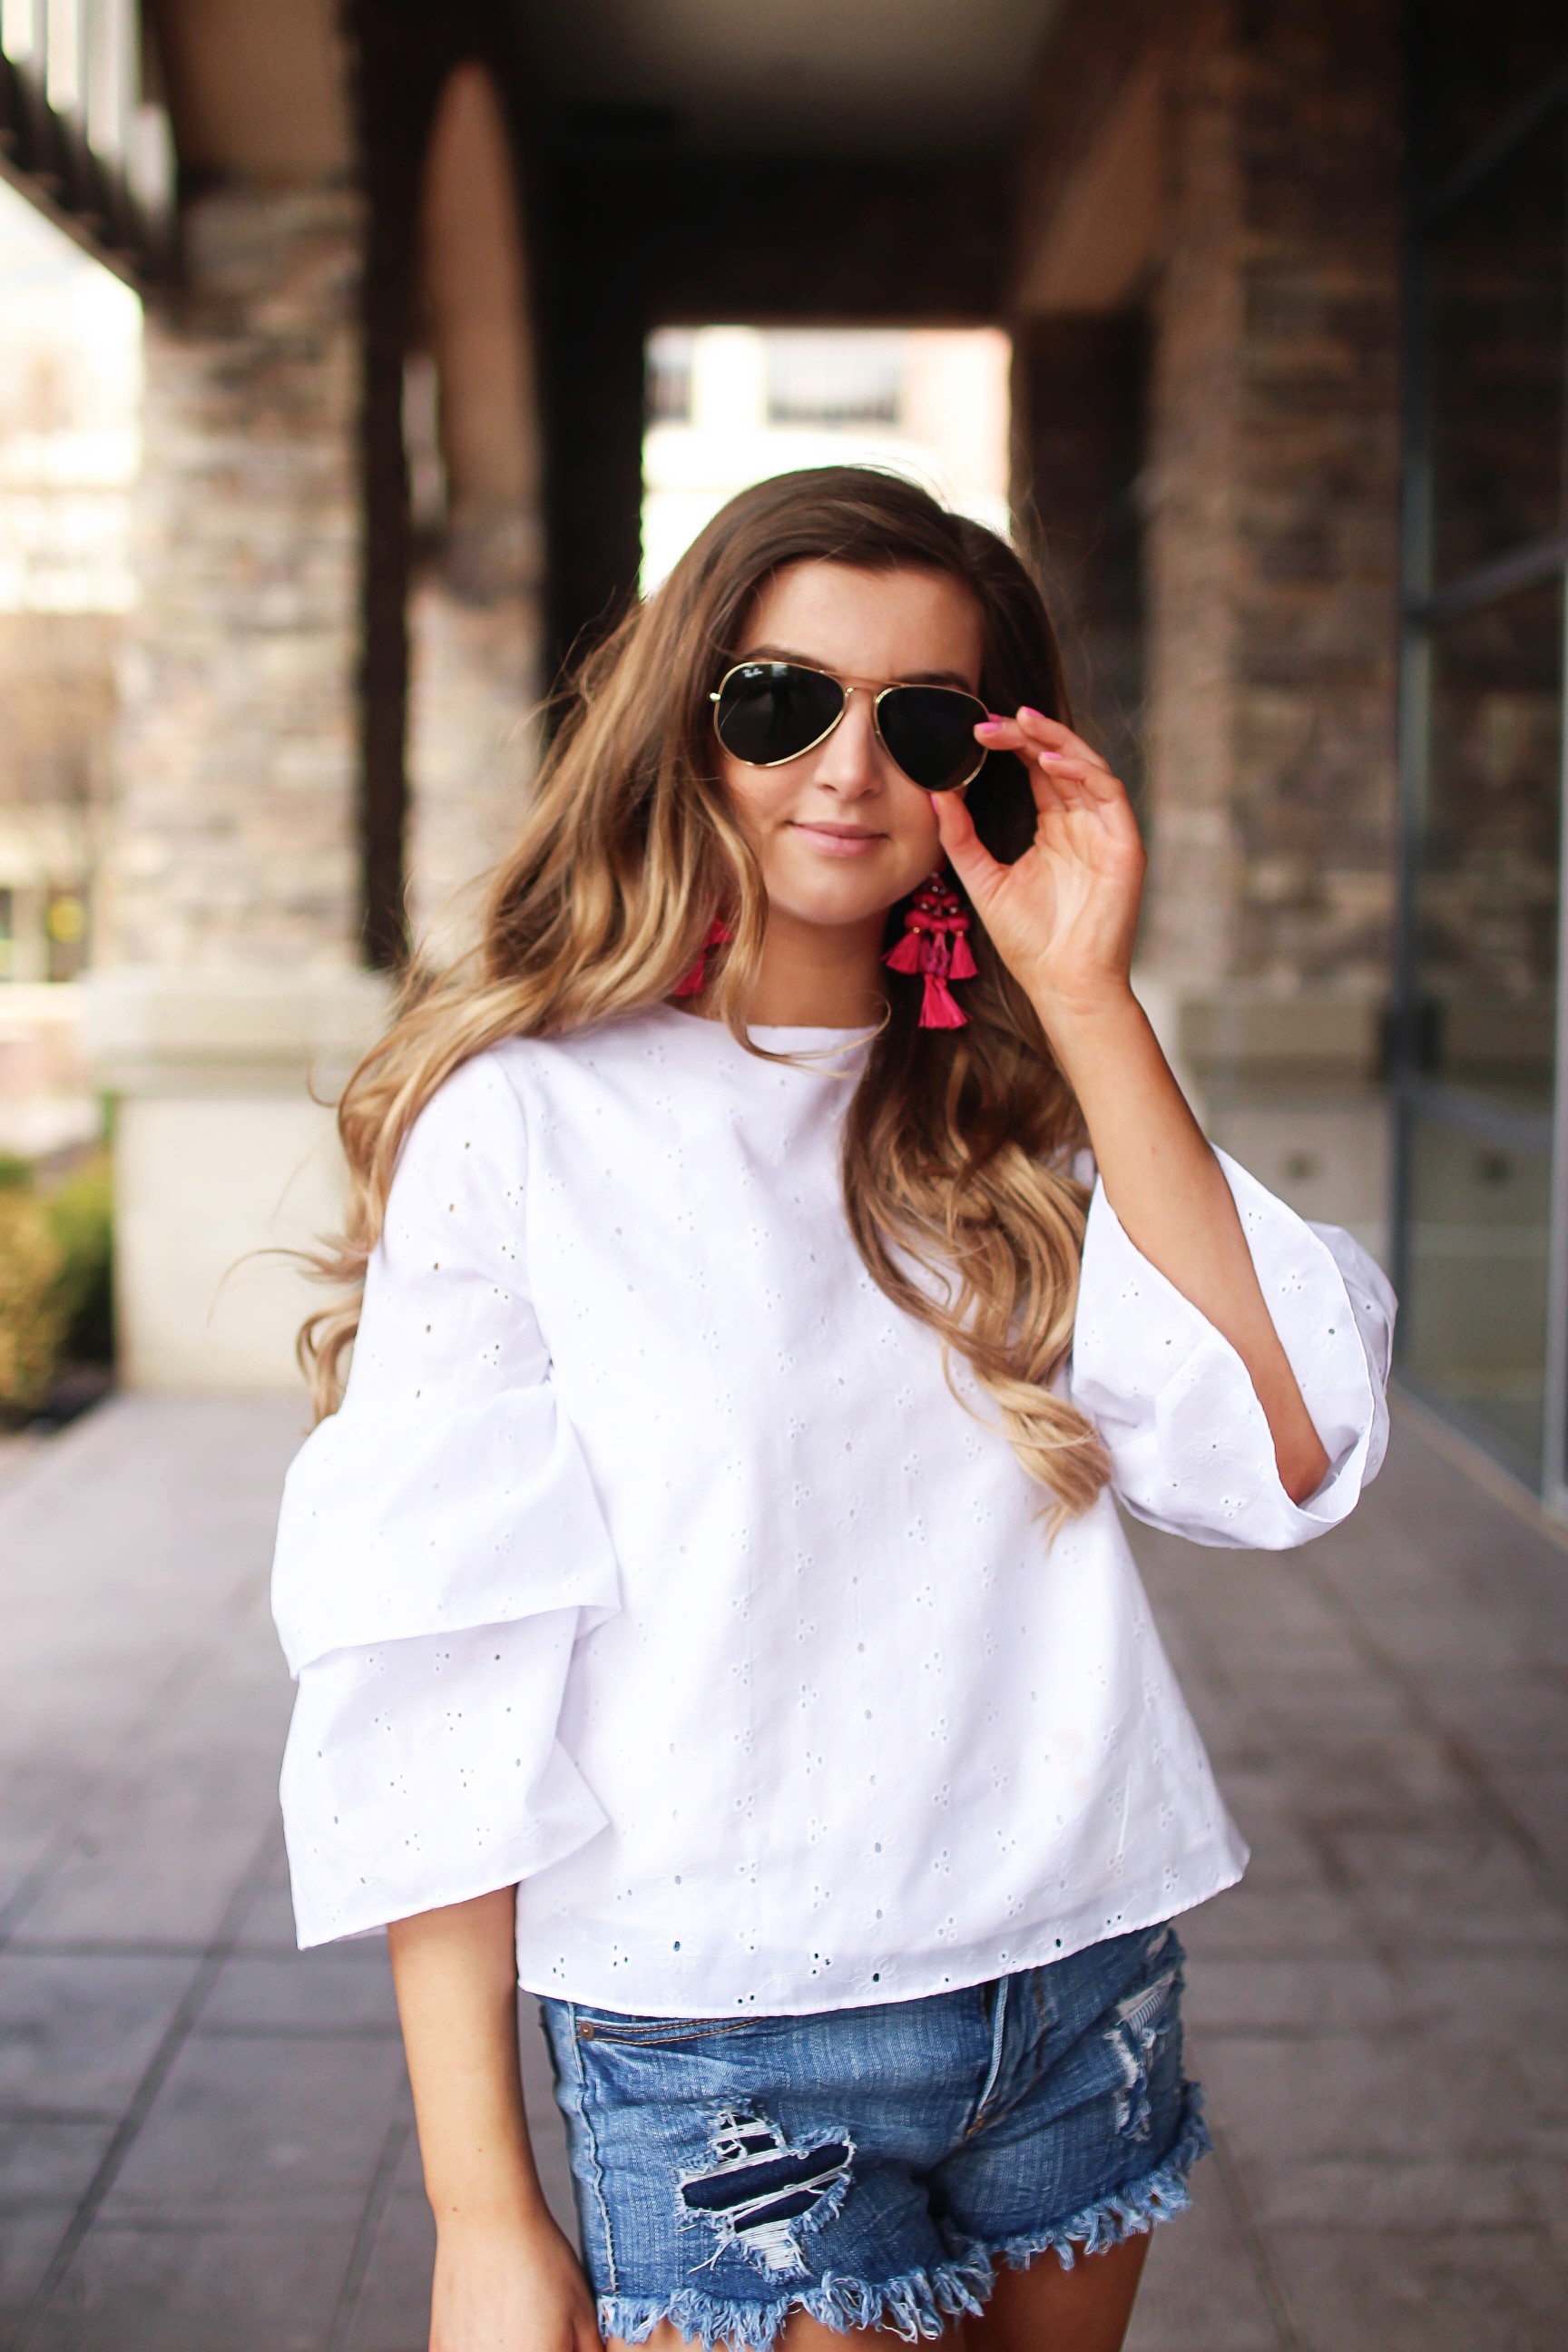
[{"x": 850, "y": 759}]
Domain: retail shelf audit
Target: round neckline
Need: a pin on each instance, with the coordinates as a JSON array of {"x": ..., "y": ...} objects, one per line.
[{"x": 834, "y": 1040}]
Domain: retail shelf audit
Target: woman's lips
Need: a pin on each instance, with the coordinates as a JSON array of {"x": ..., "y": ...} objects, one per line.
[{"x": 838, "y": 840}]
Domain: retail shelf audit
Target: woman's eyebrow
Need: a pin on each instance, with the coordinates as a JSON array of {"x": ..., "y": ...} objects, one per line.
[{"x": 810, "y": 661}]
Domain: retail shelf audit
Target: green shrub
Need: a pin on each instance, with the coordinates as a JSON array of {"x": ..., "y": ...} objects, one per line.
[
  {"x": 32, "y": 1304},
  {"x": 55, "y": 1280},
  {"x": 81, "y": 1213}
]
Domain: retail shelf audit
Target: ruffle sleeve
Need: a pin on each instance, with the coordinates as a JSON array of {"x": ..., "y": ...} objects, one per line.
[
  {"x": 440, "y": 1551},
  {"x": 1189, "y": 1443}
]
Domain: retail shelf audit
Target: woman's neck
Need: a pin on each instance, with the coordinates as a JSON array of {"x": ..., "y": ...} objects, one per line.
[{"x": 814, "y": 976}]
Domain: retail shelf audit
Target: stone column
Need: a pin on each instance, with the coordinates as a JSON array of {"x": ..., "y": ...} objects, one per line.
[
  {"x": 230, "y": 898},
  {"x": 1273, "y": 504},
  {"x": 475, "y": 618}
]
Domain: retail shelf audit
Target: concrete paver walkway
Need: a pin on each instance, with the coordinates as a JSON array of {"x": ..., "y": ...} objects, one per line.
[{"x": 205, "y": 2140}]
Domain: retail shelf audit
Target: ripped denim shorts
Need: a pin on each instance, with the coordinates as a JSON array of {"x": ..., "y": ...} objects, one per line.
[{"x": 872, "y": 2166}]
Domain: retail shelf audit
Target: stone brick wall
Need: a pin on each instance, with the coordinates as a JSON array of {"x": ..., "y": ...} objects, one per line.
[
  {"x": 233, "y": 838},
  {"x": 1273, "y": 496},
  {"x": 1268, "y": 485},
  {"x": 475, "y": 677},
  {"x": 473, "y": 445},
  {"x": 1267, "y": 492},
  {"x": 1190, "y": 540}
]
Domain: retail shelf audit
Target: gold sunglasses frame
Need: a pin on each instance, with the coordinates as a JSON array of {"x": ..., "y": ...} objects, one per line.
[{"x": 894, "y": 686}]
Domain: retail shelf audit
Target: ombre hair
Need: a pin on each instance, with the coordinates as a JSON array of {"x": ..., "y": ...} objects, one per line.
[{"x": 957, "y": 1143}]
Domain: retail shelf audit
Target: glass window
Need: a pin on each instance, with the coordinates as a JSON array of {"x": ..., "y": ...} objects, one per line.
[
  {"x": 670, "y": 354},
  {"x": 1497, "y": 278},
  {"x": 1482, "y": 759},
  {"x": 1476, "y": 62},
  {"x": 817, "y": 377},
  {"x": 1473, "y": 1313},
  {"x": 1487, "y": 887}
]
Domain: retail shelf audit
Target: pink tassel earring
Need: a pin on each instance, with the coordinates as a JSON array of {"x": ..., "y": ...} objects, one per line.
[
  {"x": 719, "y": 934},
  {"x": 936, "y": 944}
]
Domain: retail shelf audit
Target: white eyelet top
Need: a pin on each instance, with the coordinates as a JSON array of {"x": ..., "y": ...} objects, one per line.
[{"x": 652, "y": 1564}]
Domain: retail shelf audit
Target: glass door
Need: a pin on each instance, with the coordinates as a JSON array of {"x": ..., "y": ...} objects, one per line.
[{"x": 1480, "y": 1221}]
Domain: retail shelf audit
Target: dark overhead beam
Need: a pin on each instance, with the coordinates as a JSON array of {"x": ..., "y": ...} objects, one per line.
[
  {"x": 721, "y": 238},
  {"x": 650, "y": 240}
]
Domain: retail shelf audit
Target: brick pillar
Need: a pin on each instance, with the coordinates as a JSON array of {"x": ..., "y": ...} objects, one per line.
[
  {"x": 476, "y": 680},
  {"x": 230, "y": 904},
  {"x": 1272, "y": 498},
  {"x": 475, "y": 615},
  {"x": 233, "y": 838},
  {"x": 1191, "y": 497}
]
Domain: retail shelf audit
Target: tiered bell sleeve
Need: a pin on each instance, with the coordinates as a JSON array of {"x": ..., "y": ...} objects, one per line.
[
  {"x": 439, "y": 1552},
  {"x": 1189, "y": 1444}
]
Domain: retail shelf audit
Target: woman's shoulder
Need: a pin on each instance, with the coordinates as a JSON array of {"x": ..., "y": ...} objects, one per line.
[
  {"x": 468, "y": 1140},
  {"x": 481, "y": 1095},
  {"x": 490, "y": 1093}
]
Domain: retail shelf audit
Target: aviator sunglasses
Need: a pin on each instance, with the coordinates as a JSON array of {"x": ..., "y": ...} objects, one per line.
[{"x": 766, "y": 713}]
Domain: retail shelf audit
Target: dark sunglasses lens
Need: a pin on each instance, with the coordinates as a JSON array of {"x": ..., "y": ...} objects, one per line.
[
  {"x": 772, "y": 711},
  {"x": 929, "y": 731}
]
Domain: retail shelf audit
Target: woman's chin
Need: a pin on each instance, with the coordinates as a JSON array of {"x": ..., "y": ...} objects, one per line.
[
  {"x": 831, "y": 910},
  {"x": 836, "y": 894}
]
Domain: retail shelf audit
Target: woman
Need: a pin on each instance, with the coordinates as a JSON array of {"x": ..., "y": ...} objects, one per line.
[{"x": 708, "y": 1601}]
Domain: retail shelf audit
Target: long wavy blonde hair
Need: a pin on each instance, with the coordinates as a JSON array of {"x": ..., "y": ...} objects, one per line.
[{"x": 957, "y": 1143}]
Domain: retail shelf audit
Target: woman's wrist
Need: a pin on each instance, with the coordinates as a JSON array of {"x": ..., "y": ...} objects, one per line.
[
  {"x": 1085, "y": 1025},
  {"x": 512, "y": 2220}
]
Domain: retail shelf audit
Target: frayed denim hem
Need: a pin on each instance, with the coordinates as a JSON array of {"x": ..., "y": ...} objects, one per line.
[
  {"x": 922, "y": 2300},
  {"x": 918, "y": 2304},
  {"x": 1128, "y": 2212}
]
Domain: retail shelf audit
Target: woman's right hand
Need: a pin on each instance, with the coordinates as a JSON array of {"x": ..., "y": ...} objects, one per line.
[{"x": 509, "y": 2288}]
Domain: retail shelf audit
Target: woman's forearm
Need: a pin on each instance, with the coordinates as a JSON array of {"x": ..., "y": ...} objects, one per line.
[
  {"x": 1170, "y": 1193},
  {"x": 506, "y": 2279},
  {"x": 455, "y": 1973}
]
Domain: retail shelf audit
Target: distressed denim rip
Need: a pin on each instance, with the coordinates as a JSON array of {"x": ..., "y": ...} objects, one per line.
[{"x": 873, "y": 2166}]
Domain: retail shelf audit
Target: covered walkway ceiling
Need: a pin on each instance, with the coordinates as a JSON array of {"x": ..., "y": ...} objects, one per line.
[
  {"x": 883, "y": 77},
  {"x": 906, "y": 80}
]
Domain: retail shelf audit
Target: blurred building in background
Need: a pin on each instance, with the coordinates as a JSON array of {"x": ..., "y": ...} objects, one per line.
[
  {"x": 1279, "y": 295},
  {"x": 70, "y": 438}
]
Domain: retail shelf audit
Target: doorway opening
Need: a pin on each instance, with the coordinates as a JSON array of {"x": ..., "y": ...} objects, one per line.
[{"x": 729, "y": 405}]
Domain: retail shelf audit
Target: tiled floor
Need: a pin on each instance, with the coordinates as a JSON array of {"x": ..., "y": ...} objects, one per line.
[{"x": 205, "y": 2140}]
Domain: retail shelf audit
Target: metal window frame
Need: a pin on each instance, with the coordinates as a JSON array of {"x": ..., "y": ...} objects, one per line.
[{"x": 1427, "y": 214}]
